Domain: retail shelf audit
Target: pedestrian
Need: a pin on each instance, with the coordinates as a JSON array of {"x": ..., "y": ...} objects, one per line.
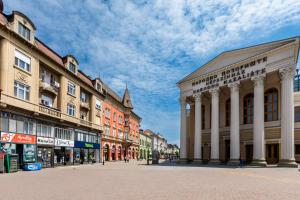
[{"x": 125, "y": 158}]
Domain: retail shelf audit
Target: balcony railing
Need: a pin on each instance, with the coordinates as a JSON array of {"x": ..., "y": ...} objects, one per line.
[
  {"x": 49, "y": 111},
  {"x": 86, "y": 123}
]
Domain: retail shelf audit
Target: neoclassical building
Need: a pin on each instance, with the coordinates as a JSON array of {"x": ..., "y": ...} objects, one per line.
[{"x": 239, "y": 107}]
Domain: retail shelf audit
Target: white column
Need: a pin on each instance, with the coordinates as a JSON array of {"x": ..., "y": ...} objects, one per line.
[
  {"x": 234, "y": 123},
  {"x": 198, "y": 134},
  {"x": 287, "y": 117},
  {"x": 258, "y": 122},
  {"x": 183, "y": 140},
  {"x": 215, "y": 125}
]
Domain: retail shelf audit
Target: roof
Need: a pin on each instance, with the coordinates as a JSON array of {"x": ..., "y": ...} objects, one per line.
[
  {"x": 265, "y": 47},
  {"x": 126, "y": 99}
]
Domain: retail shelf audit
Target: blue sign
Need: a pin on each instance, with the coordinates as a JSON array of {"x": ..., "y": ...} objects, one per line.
[
  {"x": 87, "y": 145},
  {"x": 33, "y": 167}
]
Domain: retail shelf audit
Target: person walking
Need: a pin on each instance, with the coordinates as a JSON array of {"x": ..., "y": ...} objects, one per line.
[{"x": 125, "y": 159}]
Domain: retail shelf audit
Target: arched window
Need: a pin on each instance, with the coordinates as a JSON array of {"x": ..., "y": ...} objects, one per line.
[
  {"x": 227, "y": 112},
  {"x": 271, "y": 105},
  {"x": 203, "y": 116},
  {"x": 248, "y": 109}
]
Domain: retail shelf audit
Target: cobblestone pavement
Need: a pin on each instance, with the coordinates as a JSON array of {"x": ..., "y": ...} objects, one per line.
[{"x": 135, "y": 180}]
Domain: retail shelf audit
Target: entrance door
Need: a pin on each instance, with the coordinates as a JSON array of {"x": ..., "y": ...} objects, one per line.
[
  {"x": 19, "y": 151},
  {"x": 249, "y": 153},
  {"x": 272, "y": 153},
  {"x": 227, "y": 150}
]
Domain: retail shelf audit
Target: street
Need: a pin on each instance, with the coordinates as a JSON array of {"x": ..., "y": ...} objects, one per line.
[{"x": 136, "y": 180}]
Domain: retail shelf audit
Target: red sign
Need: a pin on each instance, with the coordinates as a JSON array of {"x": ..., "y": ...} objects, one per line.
[{"x": 18, "y": 138}]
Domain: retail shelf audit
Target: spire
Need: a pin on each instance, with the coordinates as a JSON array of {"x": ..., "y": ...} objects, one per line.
[{"x": 126, "y": 99}]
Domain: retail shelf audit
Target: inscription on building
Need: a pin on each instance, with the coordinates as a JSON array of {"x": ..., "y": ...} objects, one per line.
[{"x": 227, "y": 76}]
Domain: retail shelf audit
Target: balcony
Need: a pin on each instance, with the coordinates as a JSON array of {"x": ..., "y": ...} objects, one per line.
[
  {"x": 52, "y": 88},
  {"x": 50, "y": 111},
  {"x": 84, "y": 105}
]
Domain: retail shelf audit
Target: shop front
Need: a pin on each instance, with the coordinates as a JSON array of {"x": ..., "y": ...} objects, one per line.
[
  {"x": 63, "y": 152},
  {"x": 45, "y": 151},
  {"x": 22, "y": 145},
  {"x": 86, "y": 152}
]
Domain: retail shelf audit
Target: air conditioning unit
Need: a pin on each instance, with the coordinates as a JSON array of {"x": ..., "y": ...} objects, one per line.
[{"x": 56, "y": 84}]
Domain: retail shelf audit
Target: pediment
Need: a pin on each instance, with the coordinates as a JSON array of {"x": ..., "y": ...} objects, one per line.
[{"x": 228, "y": 58}]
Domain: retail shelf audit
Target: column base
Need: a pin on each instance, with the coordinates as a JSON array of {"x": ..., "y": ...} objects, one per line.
[
  {"x": 233, "y": 162},
  {"x": 287, "y": 163},
  {"x": 197, "y": 161},
  {"x": 259, "y": 163},
  {"x": 214, "y": 162}
]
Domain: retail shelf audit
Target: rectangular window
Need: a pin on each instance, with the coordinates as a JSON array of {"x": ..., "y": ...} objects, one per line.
[
  {"x": 83, "y": 115},
  {"x": 22, "y": 61},
  {"x": 98, "y": 104},
  {"x": 47, "y": 101},
  {"x": 71, "y": 88},
  {"x": 71, "y": 109},
  {"x": 72, "y": 67},
  {"x": 83, "y": 97},
  {"x": 115, "y": 116},
  {"x": 21, "y": 91},
  {"x": 297, "y": 114},
  {"x": 107, "y": 113},
  {"x": 24, "y": 31}
]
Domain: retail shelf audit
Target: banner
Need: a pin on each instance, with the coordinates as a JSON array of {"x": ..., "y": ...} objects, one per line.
[
  {"x": 87, "y": 145},
  {"x": 18, "y": 138}
]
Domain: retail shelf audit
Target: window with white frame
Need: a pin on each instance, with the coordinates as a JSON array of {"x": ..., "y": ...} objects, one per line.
[
  {"x": 71, "y": 109},
  {"x": 72, "y": 67},
  {"x": 106, "y": 130},
  {"x": 62, "y": 133},
  {"x": 114, "y": 132},
  {"x": 21, "y": 91},
  {"x": 22, "y": 61},
  {"x": 120, "y": 119},
  {"x": 24, "y": 31},
  {"x": 71, "y": 88},
  {"x": 99, "y": 87},
  {"x": 47, "y": 100},
  {"x": 120, "y": 134},
  {"x": 45, "y": 130},
  {"x": 98, "y": 104},
  {"x": 83, "y": 97}
]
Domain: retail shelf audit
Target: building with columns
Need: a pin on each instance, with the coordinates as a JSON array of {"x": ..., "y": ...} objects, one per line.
[{"x": 239, "y": 107}]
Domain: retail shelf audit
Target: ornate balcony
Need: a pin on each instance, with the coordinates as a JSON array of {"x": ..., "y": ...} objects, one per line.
[
  {"x": 49, "y": 111},
  {"x": 52, "y": 88},
  {"x": 85, "y": 105}
]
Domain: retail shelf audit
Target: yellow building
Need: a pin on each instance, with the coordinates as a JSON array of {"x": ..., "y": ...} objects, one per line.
[{"x": 50, "y": 110}]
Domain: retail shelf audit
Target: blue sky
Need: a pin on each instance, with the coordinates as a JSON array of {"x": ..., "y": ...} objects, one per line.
[{"x": 151, "y": 44}]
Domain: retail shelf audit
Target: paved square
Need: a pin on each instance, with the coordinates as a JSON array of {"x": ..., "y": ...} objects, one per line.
[{"x": 136, "y": 180}]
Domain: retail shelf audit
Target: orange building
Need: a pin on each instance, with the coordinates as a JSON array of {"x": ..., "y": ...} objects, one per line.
[{"x": 121, "y": 126}]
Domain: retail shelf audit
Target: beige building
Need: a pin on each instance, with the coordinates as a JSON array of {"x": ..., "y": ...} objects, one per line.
[
  {"x": 241, "y": 107},
  {"x": 45, "y": 99}
]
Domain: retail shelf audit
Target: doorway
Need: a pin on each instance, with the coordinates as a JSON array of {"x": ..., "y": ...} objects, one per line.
[
  {"x": 272, "y": 153},
  {"x": 106, "y": 152},
  {"x": 227, "y": 150},
  {"x": 249, "y": 153}
]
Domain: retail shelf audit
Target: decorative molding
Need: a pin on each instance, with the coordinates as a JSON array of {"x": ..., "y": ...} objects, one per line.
[
  {"x": 22, "y": 77},
  {"x": 258, "y": 80},
  {"x": 287, "y": 72}
]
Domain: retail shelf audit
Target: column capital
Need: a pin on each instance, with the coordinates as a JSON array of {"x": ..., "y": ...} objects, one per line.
[
  {"x": 286, "y": 73},
  {"x": 197, "y": 97},
  {"x": 258, "y": 80},
  {"x": 234, "y": 86},
  {"x": 214, "y": 91}
]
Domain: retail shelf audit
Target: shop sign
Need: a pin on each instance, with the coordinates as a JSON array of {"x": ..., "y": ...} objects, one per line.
[
  {"x": 18, "y": 138},
  {"x": 64, "y": 143},
  {"x": 45, "y": 141},
  {"x": 88, "y": 145}
]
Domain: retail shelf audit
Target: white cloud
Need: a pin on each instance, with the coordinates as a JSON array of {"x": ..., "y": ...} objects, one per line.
[{"x": 150, "y": 45}]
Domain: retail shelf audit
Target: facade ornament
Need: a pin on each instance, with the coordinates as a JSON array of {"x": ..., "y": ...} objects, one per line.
[
  {"x": 287, "y": 72},
  {"x": 197, "y": 97},
  {"x": 215, "y": 91},
  {"x": 234, "y": 86},
  {"x": 258, "y": 80}
]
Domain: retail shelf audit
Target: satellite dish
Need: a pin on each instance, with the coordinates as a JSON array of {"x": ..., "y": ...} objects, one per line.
[{"x": 1, "y": 6}]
